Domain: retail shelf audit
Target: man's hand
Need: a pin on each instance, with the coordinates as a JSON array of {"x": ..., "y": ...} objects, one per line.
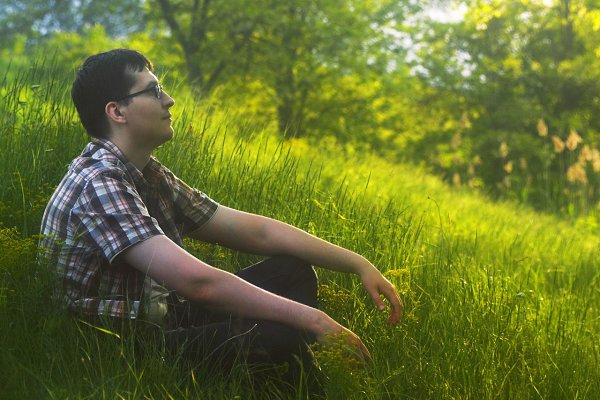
[
  {"x": 328, "y": 332},
  {"x": 376, "y": 285}
]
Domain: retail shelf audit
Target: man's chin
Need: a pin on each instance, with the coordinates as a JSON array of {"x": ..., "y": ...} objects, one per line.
[{"x": 164, "y": 139}]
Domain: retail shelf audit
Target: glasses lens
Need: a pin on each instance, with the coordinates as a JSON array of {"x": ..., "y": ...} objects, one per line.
[{"x": 158, "y": 90}]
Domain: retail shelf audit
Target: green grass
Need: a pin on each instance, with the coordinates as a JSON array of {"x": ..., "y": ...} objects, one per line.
[{"x": 501, "y": 302}]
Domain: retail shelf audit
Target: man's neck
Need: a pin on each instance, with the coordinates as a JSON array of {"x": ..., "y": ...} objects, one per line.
[{"x": 138, "y": 156}]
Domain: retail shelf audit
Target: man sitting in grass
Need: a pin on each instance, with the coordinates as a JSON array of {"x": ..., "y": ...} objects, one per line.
[{"x": 114, "y": 230}]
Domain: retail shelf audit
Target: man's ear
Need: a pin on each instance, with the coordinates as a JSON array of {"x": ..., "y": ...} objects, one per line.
[{"x": 114, "y": 113}]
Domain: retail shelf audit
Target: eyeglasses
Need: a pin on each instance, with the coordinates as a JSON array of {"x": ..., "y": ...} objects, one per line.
[{"x": 158, "y": 91}]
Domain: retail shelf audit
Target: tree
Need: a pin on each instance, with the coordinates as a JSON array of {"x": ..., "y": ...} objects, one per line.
[
  {"x": 214, "y": 36},
  {"x": 292, "y": 46},
  {"x": 509, "y": 65},
  {"x": 306, "y": 43}
]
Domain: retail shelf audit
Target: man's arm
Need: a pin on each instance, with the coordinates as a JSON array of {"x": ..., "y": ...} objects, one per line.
[
  {"x": 218, "y": 290},
  {"x": 265, "y": 236}
]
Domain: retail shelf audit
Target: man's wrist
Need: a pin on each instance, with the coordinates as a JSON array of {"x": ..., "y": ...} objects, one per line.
[
  {"x": 364, "y": 267},
  {"x": 320, "y": 324}
]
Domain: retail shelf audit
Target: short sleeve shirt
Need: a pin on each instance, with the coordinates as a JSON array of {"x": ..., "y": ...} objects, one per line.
[{"x": 104, "y": 205}]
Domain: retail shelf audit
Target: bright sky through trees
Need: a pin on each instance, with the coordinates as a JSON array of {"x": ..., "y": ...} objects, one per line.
[{"x": 450, "y": 13}]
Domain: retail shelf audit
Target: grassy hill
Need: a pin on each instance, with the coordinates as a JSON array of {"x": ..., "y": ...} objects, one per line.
[{"x": 501, "y": 302}]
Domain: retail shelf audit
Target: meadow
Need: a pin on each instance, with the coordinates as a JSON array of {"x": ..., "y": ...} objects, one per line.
[{"x": 501, "y": 301}]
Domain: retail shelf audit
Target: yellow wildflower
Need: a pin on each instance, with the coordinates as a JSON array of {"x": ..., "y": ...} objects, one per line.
[
  {"x": 456, "y": 141},
  {"x": 477, "y": 160},
  {"x": 542, "y": 128},
  {"x": 573, "y": 140},
  {"x": 585, "y": 155},
  {"x": 559, "y": 145},
  {"x": 508, "y": 167},
  {"x": 503, "y": 150},
  {"x": 456, "y": 179},
  {"x": 596, "y": 160},
  {"x": 576, "y": 174},
  {"x": 397, "y": 273},
  {"x": 475, "y": 183},
  {"x": 523, "y": 163}
]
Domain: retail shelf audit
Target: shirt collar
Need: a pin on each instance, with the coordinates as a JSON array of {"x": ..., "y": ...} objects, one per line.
[{"x": 151, "y": 173}]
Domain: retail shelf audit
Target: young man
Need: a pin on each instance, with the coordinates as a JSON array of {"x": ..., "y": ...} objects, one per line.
[{"x": 114, "y": 230}]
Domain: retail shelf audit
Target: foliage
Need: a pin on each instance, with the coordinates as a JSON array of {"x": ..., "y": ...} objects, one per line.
[
  {"x": 36, "y": 18},
  {"x": 292, "y": 48},
  {"x": 509, "y": 68}
]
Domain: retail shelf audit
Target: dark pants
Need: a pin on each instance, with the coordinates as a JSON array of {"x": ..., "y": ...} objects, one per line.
[{"x": 215, "y": 338}]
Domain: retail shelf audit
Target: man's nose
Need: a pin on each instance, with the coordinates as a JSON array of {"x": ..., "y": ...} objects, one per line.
[{"x": 168, "y": 100}]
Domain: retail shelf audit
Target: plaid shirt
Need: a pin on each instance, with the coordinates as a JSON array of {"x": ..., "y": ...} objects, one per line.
[{"x": 104, "y": 205}]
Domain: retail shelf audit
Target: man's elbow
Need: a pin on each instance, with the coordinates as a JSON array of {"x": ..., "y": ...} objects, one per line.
[
  {"x": 193, "y": 289},
  {"x": 200, "y": 289}
]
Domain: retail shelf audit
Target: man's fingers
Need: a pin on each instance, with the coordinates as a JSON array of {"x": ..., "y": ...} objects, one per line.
[
  {"x": 377, "y": 299},
  {"x": 362, "y": 352},
  {"x": 382, "y": 286},
  {"x": 365, "y": 352},
  {"x": 349, "y": 342},
  {"x": 397, "y": 308},
  {"x": 396, "y": 303}
]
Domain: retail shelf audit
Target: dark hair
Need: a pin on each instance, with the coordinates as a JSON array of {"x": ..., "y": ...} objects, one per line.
[{"x": 104, "y": 77}]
